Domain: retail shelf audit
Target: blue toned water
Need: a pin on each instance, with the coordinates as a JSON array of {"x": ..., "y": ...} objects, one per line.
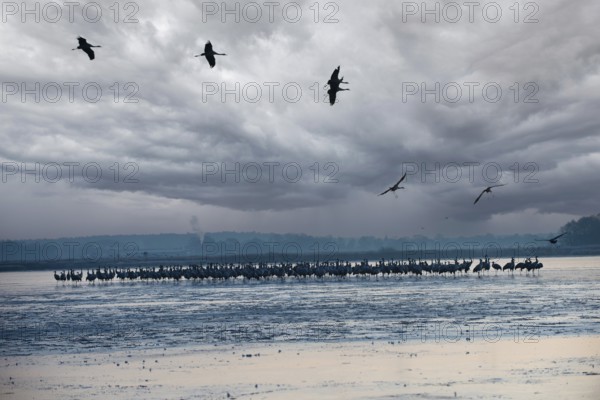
[{"x": 39, "y": 316}]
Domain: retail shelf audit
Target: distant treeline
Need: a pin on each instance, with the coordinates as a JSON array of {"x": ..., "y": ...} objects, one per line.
[
  {"x": 583, "y": 232},
  {"x": 583, "y": 239}
]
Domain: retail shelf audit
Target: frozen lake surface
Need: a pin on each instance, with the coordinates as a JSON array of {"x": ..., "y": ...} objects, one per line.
[{"x": 39, "y": 316}]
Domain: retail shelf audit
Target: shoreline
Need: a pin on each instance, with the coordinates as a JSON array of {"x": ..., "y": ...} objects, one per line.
[
  {"x": 431, "y": 338},
  {"x": 554, "y": 367},
  {"x": 373, "y": 257}
]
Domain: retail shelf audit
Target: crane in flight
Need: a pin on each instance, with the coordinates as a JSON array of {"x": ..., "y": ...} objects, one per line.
[
  {"x": 396, "y": 186},
  {"x": 335, "y": 78},
  {"x": 334, "y": 85},
  {"x": 86, "y": 47},
  {"x": 210, "y": 54},
  {"x": 486, "y": 190},
  {"x": 554, "y": 240},
  {"x": 332, "y": 92}
]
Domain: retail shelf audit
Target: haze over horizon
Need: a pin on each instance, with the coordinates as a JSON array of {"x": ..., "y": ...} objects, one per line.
[
  {"x": 220, "y": 233},
  {"x": 171, "y": 147}
]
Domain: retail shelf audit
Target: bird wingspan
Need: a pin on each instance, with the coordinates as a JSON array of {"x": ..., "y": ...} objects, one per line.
[
  {"x": 335, "y": 74},
  {"x": 332, "y": 96},
  {"x": 401, "y": 179},
  {"x": 385, "y": 192},
  {"x": 478, "y": 197},
  {"x": 89, "y": 52},
  {"x": 211, "y": 59}
]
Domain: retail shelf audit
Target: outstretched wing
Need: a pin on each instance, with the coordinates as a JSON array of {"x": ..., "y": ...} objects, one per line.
[
  {"x": 385, "y": 192},
  {"x": 401, "y": 179},
  {"x": 559, "y": 236},
  {"x": 332, "y": 95},
  {"x": 479, "y": 197},
  {"x": 335, "y": 75},
  {"x": 211, "y": 59},
  {"x": 89, "y": 52}
]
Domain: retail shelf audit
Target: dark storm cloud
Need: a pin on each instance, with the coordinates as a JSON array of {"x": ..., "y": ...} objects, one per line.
[{"x": 174, "y": 132}]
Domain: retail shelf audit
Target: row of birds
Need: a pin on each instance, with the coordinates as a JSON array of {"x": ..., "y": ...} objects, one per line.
[
  {"x": 209, "y": 53},
  {"x": 334, "y": 82},
  {"x": 298, "y": 270}
]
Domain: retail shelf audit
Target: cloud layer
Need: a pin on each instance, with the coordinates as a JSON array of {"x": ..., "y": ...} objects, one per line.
[{"x": 271, "y": 163}]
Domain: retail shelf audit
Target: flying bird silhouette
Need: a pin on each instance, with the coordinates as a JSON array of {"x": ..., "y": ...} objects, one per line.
[
  {"x": 333, "y": 94},
  {"x": 334, "y": 85},
  {"x": 396, "y": 186},
  {"x": 554, "y": 240},
  {"x": 209, "y": 53},
  {"x": 486, "y": 190},
  {"x": 86, "y": 47},
  {"x": 335, "y": 78}
]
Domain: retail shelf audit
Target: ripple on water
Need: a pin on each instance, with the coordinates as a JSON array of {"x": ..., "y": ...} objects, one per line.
[{"x": 40, "y": 316}]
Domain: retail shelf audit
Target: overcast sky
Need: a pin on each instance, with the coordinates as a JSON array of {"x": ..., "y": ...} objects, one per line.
[{"x": 171, "y": 147}]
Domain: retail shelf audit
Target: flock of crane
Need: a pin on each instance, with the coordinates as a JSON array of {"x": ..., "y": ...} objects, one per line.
[
  {"x": 397, "y": 186},
  {"x": 303, "y": 270},
  {"x": 334, "y": 87},
  {"x": 334, "y": 82}
]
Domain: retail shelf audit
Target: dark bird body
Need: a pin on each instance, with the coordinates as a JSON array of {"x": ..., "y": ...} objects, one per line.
[
  {"x": 509, "y": 266},
  {"x": 86, "y": 47},
  {"x": 209, "y": 53},
  {"x": 486, "y": 190},
  {"x": 395, "y": 187},
  {"x": 479, "y": 267},
  {"x": 335, "y": 79}
]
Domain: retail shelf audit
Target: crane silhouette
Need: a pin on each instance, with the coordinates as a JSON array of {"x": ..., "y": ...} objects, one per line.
[
  {"x": 86, "y": 47},
  {"x": 554, "y": 240},
  {"x": 486, "y": 190},
  {"x": 332, "y": 92},
  {"x": 396, "y": 186},
  {"x": 334, "y": 85},
  {"x": 335, "y": 78},
  {"x": 210, "y": 54}
]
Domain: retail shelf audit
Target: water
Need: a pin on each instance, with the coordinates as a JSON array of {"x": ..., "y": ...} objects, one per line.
[{"x": 39, "y": 316}]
